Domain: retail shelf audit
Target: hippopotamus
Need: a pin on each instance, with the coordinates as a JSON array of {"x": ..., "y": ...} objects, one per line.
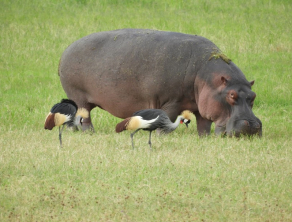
[{"x": 123, "y": 71}]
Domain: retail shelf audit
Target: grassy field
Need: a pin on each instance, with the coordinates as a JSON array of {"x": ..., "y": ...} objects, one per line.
[{"x": 97, "y": 176}]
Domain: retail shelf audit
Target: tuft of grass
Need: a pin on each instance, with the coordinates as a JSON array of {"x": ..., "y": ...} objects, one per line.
[{"x": 217, "y": 55}]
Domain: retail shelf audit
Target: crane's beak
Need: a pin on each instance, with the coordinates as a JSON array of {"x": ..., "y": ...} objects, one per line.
[{"x": 187, "y": 121}]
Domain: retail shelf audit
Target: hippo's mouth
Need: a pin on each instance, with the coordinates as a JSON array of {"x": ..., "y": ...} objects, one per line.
[
  {"x": 221, "y": 130},
  {"x": 243, "y": 127},
  {"x": 244, "y": 133}
]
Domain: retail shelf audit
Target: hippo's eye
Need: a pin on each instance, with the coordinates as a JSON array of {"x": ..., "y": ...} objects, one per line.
[{"x": 232, "y": 97}]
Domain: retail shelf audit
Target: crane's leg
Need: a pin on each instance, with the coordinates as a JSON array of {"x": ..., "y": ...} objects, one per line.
[
  {"x": 132, "y": 135},
  {"x": 149, "y": 142},
  {"x": 60, "y": 134}
]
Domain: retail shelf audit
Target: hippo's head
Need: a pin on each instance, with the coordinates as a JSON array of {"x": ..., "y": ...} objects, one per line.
[
  {"x": 239, "y": 99},
  {"x": 225, "y": 97}
]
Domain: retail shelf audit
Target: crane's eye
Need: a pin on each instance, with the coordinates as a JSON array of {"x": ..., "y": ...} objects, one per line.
[{"x": 187, "y": 121}]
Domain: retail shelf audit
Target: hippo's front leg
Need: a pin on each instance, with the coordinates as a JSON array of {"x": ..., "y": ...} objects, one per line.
[
  {"x": 203, "y": 125},
  {"x": 87, "y": 124}
]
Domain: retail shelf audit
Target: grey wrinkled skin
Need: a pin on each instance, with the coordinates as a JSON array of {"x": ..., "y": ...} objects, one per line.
[{"x": 127, "y": 70}]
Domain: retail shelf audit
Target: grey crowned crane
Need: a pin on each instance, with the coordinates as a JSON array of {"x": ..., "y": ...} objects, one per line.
[
  {"x": 152, "y": 119},
  {"x": 65, "y": 113}
]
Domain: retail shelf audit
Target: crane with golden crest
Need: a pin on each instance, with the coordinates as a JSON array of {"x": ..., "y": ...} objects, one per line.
[
  {"x": 65, "y": 113},
  {"x": 152, "y": 119}
]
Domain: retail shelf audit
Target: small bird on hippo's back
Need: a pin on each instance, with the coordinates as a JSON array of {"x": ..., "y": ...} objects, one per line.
[{"x": 152, "y": 119}]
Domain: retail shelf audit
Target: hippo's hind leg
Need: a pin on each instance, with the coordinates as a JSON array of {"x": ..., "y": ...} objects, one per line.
[{"x": 203, "y": 125}]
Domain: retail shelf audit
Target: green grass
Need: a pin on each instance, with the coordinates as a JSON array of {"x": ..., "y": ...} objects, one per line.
[{"x": 98, "y": 177}]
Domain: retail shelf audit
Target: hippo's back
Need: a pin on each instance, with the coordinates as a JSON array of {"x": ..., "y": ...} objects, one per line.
[{"x": 125, "y": 70}]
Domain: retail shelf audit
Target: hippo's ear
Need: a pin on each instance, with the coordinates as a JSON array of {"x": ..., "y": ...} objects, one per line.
[
  {"x": 251, "y": 83},
  {"x": 224, "y": 80}
]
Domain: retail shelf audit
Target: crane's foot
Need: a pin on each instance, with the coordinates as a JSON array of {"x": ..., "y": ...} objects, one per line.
[
  {"x": 150, "y": 145},
  {"x": 60, "y": 138}
]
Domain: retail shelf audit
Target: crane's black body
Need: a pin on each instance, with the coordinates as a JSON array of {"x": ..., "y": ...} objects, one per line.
[
  {"x": 162, "y": 122},
  {"x": 149, "y": 120},
  {"x": 66, "y": 107},
  {"x": 150, "y": 114}
]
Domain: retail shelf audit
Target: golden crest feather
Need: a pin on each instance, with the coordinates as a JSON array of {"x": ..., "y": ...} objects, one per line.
[
  {"x": 82, "y": 112},
  {"x": 187, "y": 114}
]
